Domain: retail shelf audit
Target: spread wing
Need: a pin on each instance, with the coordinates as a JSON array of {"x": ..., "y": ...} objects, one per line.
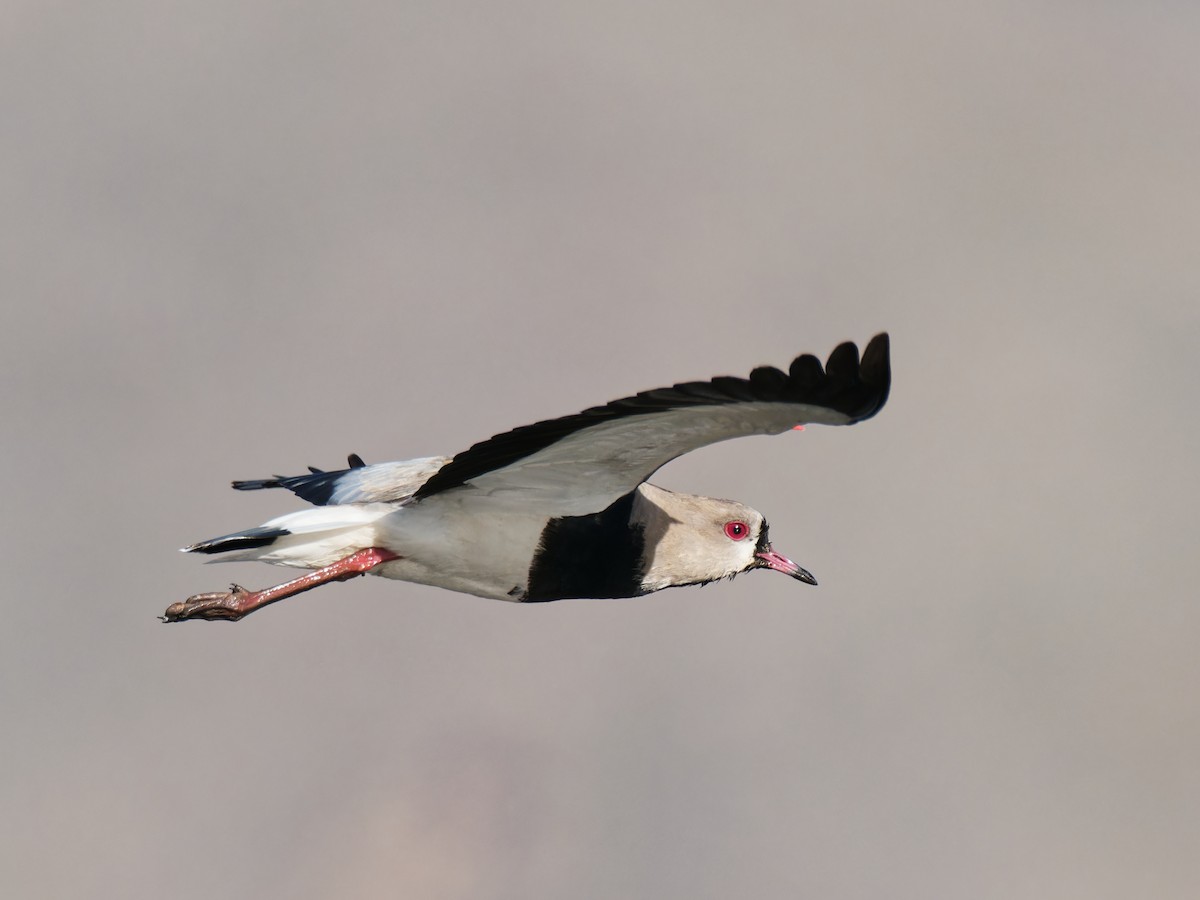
[{"x": 581, "y": 463}]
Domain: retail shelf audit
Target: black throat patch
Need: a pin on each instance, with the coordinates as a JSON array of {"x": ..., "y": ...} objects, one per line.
[{"x": 598, "y": 556}]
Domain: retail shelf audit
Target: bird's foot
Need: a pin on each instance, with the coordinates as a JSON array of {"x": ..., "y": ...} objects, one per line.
[
  {"x": 228, "y": 605},
  {"x": 237, "y": 602}
]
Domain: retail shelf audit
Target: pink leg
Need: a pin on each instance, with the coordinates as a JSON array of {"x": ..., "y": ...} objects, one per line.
[{"x": 237, "y": 601}]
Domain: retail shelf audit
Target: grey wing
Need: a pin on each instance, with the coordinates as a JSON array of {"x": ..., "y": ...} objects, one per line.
[
  {"x": 580, "y": 464},
  {"x": 390, "y": 482}
]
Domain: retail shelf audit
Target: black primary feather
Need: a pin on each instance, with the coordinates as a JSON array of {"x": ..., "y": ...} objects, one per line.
[{"x": 846, "y": 385}]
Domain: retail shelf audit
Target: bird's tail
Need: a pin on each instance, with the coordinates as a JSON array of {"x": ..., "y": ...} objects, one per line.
[{"x": 308, "y": 539}]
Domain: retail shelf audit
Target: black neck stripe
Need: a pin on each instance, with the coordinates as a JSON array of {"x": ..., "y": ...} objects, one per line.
[{"x": 597, "y": 556}]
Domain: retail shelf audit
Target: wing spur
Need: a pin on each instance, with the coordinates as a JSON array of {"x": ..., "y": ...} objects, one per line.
[{"x": 582, "y": 462}]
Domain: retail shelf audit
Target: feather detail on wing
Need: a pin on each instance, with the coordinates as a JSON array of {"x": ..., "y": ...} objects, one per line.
[{"x": 581, "y": 463}]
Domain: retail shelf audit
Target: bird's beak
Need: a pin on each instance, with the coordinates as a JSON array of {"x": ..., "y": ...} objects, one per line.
[{"x": 769, "y": 559}]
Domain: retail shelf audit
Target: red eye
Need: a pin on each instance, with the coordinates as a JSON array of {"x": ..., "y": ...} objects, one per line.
[{"x": 736, "y": 531}]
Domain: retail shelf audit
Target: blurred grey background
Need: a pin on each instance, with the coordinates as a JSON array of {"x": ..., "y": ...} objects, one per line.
[{"x": 241, "y": 238}]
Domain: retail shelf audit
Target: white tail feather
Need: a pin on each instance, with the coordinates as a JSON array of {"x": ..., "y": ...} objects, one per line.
[{"x": 316, "y": 537}]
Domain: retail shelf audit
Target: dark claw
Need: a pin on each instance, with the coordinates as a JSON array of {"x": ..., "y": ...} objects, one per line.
[{"x": 212, "y": 606}]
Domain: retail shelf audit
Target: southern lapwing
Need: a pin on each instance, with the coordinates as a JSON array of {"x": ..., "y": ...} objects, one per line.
[{"x": 558, "y": 509}]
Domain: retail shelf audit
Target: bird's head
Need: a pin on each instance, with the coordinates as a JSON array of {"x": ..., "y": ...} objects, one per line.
[{"x": 695, "y": 540}]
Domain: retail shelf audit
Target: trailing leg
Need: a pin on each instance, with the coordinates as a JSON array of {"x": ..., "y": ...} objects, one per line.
[{"x": 237, "y": 602}]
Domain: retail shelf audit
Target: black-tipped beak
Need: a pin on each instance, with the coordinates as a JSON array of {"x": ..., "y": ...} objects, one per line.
[{"x": 769, "y": 559}]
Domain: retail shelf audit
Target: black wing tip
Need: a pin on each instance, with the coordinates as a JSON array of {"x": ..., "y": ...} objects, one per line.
[
  {"x": 873, "y": 375},
  {"x": 876, "y": 359},
  {"x": 853, "y": 385},
  {"x": 856, "y": 387}
]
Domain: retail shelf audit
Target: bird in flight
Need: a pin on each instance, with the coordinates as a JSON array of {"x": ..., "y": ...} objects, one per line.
[{"x": 556, "y": 510}]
